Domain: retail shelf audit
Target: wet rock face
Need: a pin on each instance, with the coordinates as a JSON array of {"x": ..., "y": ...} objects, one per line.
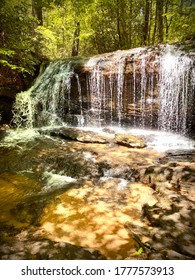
[
  {"x": 10, "y": 84},
  {"x": 5, "y": 109},
  {"x": 80, "y": 135},
  {"x": 119, "y": 87}
]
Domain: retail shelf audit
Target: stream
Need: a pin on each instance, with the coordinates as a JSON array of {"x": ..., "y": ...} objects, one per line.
[{"x": 68, "y": 199}]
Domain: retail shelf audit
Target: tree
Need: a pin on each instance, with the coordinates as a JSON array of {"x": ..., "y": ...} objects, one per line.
[
  {"x": 160, "y": 25},
  {"x": 146, "y": 22},
  {"x": 37, "y": 10},
  {"x": 36, "y": 29},
  {"x": 17, "y": 36},
  {"x": 75, "y": 46}
]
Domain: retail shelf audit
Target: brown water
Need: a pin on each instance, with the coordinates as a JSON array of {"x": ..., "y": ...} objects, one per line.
[{"x": 59, "y": 188}]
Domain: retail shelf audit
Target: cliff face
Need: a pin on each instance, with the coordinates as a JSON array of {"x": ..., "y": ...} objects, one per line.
[
  {"x": 123, "y": 86},
  {"x": 142, "y": 87}
]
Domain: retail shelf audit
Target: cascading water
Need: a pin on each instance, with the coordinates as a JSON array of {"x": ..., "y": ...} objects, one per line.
[
  {"x": 143, "y": 90},
  {"x": 140, "y": 88},
  {"x": 120, "y": 85},
  {"x": 43, "y": 104},
  {"x": 96, "y": 85},
  {"x": 80, "y": 117},
  {"x": 106, "y": 90},
  {"x": 177, "y": 85}
]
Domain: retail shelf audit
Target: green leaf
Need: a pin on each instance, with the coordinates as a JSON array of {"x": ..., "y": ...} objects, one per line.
[
  {"x": 7, "y": 52},
  {"x": 139, "y": 252},
  {"x": 13, "y": 67}
]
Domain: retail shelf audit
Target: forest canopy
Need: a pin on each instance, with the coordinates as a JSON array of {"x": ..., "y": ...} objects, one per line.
[{"x": 33, "y": 30}]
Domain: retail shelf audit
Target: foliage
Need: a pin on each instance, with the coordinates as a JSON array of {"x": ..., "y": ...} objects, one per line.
[
  {"x": 17, "y": 36},
  {"x": 138, "y": 252},
  {"x": 33, "y": 30},
  {"x": 45, "y": 42}
]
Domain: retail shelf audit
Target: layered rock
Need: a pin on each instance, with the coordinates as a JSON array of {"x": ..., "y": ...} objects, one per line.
[{"x": 143, "y": 87}]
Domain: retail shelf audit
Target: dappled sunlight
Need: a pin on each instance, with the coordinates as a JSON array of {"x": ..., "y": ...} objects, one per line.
[
  {"x": 94, "y": 216},
  {"x": 13, "y": 188},
  {"x": 102, "y": 200},
  {"x": 119, "y": 154}
]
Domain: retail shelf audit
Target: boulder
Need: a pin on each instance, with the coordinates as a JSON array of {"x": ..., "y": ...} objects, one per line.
[
  {"x": 129, "y": 140},
  {"x": 80, "y": 135},
  {"x": 85, "y": 136}
]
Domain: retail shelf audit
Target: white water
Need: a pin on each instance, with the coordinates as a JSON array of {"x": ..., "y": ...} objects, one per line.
[
  {"x": 13, "y": 137},
  {"x": 113, "y": 97},
  {"x": 56, "y": 181},
  {"x": 120, "y": 85},
  {"x": 43, "y": 104},
  {"x": 177, "y": 84},
  {"x": 161, "y": 141},
  {"x": 164, "y": 141}
]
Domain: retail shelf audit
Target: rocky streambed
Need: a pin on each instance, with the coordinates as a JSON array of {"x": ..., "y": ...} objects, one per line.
[{"x": 77, "y": 194}]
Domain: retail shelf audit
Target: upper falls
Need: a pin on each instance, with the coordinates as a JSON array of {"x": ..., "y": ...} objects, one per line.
[{"x": 142, "y": 87}]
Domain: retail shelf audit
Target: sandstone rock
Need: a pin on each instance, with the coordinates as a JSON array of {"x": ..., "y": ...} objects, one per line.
[
  {"x": 84, "y": 136},
  {"x": 81, "y": 135},
  {"x": 129, "y": 141},
  {"x": 30, "y": 247}
]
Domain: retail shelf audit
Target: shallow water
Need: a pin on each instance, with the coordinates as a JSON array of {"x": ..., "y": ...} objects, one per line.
[
  {"x": 67, "y": 190},
  {"x": 161, "y": 141}
]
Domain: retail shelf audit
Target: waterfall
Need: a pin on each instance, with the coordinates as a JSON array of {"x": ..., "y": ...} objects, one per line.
[
  {"x": 143, "y": 90},
  {"x": 120, "y": 86},
  {"x": 96, "y": 83},
  {"x": 176, "y": 90},
  {"x": 43, "y": 104},
  {"x": 143, "y": 87},
  {"x": 81, "y": 120}
]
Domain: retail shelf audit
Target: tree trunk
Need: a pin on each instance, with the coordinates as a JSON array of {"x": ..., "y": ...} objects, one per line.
[
  {"x": 146, "y": 22},
  {"x": 37, "y": 10},
  {"x": 159, "y": 7},
  {"x": 167, "y": 21},
  {"x": 150, "y": 22},
  {"x": 155, "y": 27},
  {"x": 75, "y": 45},
  {"x": 130, "y": 26},
  {"x": 118, "y": 25}
]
